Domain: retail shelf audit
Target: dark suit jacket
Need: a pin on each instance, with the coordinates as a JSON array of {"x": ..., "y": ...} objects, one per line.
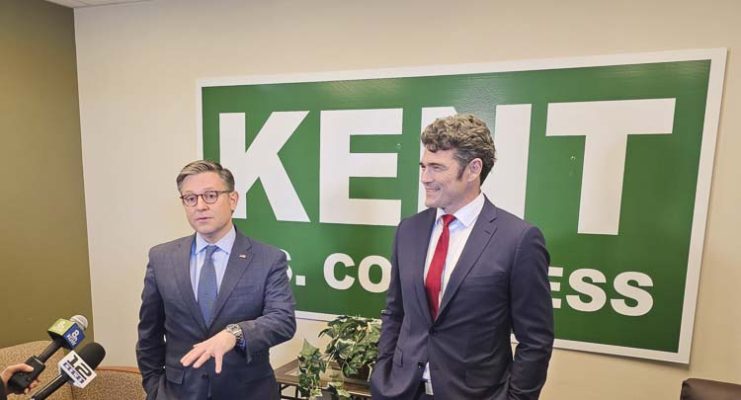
[
  {"x": 254, "y": 293},
  {"x": 500, "y": 285}
]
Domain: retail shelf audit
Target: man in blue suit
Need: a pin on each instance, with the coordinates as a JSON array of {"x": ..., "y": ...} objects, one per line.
[
  {"x": 465, "y": 275},
  {"x": 213, "y": 303}
]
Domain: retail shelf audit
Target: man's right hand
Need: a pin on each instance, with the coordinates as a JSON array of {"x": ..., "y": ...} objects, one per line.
[{"x": 219, "y": 344}]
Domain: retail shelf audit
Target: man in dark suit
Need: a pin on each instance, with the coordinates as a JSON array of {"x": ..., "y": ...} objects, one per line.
[
  {"x": 465, "y": 275},
  {"x": 213, "y": 303}
]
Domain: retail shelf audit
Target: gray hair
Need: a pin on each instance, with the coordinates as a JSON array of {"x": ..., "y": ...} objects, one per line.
[
  {"x": 201, "y": 166},
  {"x": 467, "y": 135}
]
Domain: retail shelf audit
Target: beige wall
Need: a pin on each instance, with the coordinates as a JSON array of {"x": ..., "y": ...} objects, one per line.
[
  {"x": 44, "y": 267},
  {"x": 138, "y": 65}
]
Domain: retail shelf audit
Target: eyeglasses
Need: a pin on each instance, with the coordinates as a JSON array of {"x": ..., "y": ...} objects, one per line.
[{"x": 209, "y": 197}]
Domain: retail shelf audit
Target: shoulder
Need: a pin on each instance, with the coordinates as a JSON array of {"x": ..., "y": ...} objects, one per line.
[
  {"x": 423, "y": 218},
  {"x": 515, "y": 230},
  {"x": 172, "y": 246},
  {"x": 260, "y": 249},
  {"x": 509, "y": 220},
  {"x": 510, "y": 227}
]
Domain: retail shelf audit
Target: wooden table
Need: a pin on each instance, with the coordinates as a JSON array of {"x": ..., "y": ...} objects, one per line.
[{"x": 287, "y": 377}]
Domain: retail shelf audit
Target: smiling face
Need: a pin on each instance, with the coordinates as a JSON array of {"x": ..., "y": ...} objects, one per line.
[
  {"x": 448, "y": 185},
  {"x": 212, "y": 221}
]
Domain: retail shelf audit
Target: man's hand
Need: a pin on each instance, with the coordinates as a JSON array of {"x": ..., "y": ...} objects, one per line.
[
  {"x": 216, "y": 347},
  {"x": 9, "y": 371}
]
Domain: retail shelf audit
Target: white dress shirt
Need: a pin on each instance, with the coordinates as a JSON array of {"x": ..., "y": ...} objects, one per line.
[{"x": 460, "y": 229}]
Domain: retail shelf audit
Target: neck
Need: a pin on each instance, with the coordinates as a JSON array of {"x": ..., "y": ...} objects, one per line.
[
  {"x": 453, "y": 208},
  {"x": 216, "y": 236}
]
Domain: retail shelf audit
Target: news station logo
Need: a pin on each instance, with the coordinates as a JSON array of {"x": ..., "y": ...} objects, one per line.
[
  {"x": 75, "y": 367},
  {"x": 74, "y": 337},
  {"x": 69, "y": 331}
]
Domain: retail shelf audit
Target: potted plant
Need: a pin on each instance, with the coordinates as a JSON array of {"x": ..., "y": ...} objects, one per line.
[{"x": 353, "y": 346}]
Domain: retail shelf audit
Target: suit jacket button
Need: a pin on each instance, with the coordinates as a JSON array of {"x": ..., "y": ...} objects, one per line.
[
  {"x": 432, "y": 331},
  {"x": 204, "y": 376},
  {"x": 420, "y": 365}
]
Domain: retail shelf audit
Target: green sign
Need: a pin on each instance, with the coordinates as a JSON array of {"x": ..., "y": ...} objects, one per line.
[{"x": 610, "y": 156}]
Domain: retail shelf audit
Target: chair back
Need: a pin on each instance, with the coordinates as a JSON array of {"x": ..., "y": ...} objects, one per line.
[
  {"x": 704, "y": 389},
  {"x": 21, "y": 352}
]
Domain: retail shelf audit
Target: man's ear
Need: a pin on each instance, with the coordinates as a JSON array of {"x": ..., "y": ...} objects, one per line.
[
  {"x": 233, "y": 200},
  {"x": 475, "y": 166}
]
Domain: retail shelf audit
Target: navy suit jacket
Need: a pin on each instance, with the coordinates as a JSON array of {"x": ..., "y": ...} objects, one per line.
[
  {"x": 499, "y": 286},
  {"x": 254, "y": 293}
]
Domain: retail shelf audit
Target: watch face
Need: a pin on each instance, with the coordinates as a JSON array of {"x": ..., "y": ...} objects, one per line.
[{"x": 234, "y": 330}]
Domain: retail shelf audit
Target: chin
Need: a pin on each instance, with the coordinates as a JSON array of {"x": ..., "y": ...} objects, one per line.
[{"x": 203, "y": 230}]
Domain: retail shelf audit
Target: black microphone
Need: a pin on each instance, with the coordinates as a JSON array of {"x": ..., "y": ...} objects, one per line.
[
  {"x": 74, "y": 367},
  {"x": 64, "y": 333}
]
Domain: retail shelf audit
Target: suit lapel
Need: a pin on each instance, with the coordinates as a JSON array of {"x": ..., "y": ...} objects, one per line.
[
  {"x": 482, "y": 232},
  {"x": 420, "y": 246},
  {"x": 239, "y": 260},
  {"x": 181, "y": 265}
]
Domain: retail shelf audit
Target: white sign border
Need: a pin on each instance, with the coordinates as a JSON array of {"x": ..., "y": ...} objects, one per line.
[{"x": 717, "y": 57}]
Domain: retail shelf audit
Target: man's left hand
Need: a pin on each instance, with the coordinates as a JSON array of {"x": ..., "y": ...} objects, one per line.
[{"x": 220, "y": 344}]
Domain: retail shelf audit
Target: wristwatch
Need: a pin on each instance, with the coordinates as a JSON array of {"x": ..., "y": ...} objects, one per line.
[{"x": 236, "y": 330}]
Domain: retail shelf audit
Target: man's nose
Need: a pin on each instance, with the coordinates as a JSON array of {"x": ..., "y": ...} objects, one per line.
[{"x": 201, "y": 203}]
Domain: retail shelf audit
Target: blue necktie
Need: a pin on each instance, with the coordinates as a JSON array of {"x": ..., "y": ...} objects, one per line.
[{"x": 207, "y": 287}]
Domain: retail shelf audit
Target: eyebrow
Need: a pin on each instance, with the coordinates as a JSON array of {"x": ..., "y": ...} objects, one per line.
[
  {"x": 432, "y": 164},
  {"x": 209, "y": 189}
]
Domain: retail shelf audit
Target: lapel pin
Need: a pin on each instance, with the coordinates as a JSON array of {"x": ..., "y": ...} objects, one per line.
[{"x": 243, "y": 256}]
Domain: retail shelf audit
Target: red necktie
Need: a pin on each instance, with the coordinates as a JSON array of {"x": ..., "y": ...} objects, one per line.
[{"x": 433, "y": 282}]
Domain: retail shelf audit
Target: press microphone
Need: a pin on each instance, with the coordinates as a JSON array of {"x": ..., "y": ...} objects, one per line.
[
  {"x": 76, "y": 367},
  {"x": 67, "y": 333}
]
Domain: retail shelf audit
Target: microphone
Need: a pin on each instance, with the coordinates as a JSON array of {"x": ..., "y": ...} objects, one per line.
[
  {"x": 64, "y": 333},
  {"x": 78, "y": 368}
]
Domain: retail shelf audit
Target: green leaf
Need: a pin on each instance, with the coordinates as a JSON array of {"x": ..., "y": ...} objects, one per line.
[
  {"x": 353, "y": 345},
  {"x": 308, "y": 350}
]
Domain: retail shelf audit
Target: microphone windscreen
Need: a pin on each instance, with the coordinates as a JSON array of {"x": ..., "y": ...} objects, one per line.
[
  {"x": 92, "y": 354},
  {"x": 80, "y": 320}
]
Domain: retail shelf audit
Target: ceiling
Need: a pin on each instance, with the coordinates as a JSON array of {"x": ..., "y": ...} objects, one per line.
[{"x": 91, "y": 3}]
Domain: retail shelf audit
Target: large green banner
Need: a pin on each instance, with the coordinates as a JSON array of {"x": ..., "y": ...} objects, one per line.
[{"x": 610, "y": 156}]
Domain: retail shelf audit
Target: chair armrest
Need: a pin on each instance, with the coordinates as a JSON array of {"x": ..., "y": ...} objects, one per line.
[
  {"x": 704, "y": 389},
  {"x": 123, "y": 369}
]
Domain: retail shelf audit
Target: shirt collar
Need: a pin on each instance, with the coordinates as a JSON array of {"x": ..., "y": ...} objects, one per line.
[
  {"x": 467, "y": 214},
  {"x": 224, "y": 244}
]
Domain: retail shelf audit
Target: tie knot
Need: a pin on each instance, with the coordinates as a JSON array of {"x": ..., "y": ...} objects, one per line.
[
  {"x": 448, "y": 218},
  {"x": 210, "y": 250}
]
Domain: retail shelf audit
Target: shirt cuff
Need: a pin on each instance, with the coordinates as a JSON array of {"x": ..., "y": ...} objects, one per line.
[{"x": 242, "y": 343}]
